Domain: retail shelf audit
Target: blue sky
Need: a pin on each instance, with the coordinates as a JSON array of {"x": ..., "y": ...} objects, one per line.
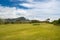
[{"x": 32, "y": 9}]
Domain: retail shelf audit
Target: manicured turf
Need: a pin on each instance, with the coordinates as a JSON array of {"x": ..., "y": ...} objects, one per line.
[{"x": 29, "y": 32}]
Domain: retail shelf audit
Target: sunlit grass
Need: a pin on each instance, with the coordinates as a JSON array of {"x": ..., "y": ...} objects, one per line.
[{"x": 29, "y": 32}]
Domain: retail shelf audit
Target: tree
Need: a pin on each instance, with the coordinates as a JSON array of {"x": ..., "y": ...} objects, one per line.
[
  {"x": 47, "y": 20},
  {"x": 35, "y": 21},
  {"x": 2, "y": 21},
  {"x": 56, "y": 22}
]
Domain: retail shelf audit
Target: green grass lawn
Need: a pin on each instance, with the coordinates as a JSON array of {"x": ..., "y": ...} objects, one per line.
[{"x": 29, "y": 32}]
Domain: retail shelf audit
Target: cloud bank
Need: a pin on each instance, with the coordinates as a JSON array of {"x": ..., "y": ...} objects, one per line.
[{"x": 32, "y": 9}]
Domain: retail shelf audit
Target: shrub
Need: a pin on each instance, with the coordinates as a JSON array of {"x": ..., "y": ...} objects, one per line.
[
  {"x": 36, "y": 23},
  {"x": 56, "y": 22}
]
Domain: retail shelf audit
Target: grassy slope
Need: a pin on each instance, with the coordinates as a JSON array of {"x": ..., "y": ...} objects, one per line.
[{"x": 29, "y": 32}]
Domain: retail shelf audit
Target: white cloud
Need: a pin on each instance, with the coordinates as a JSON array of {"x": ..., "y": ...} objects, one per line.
[
  {"x": 41, "y": 10},
  {"x": 44, "y": 10},
  {"x": 7, "y": 12},
  {"x": 27, "y": 5}
]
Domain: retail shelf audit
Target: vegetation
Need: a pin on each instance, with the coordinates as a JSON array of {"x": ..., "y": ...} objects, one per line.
[
  {"x": 13, "y": 21},
  {"x": 23, "y": 20},
  {"x": 25, "y": 29},
  {"x": 56, "y": 22},
  {"x": 35, "y": 21},
  {"x": 29, "y": 32},
  {"x": 18, "y": 20}
]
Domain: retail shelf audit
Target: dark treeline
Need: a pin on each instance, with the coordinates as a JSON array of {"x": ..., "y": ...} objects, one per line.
[
  {"x": 56, "y": 22},
  {"x": 14, "y": 20},
  {"x": 24, "y": 20},
  {"x": 20, "y": 20}
]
